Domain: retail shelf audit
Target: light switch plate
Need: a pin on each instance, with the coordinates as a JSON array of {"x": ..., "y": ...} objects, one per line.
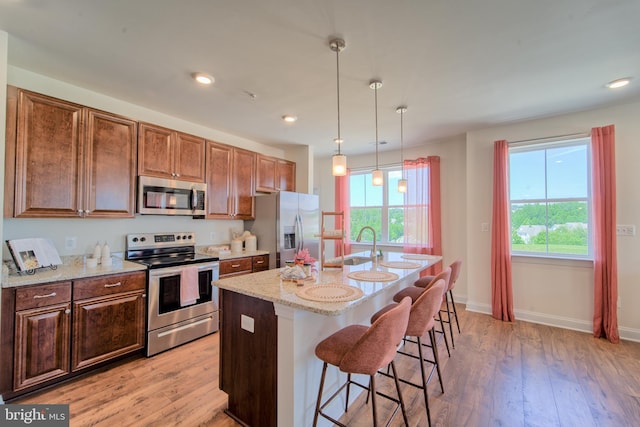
[
  {"x": 70, "y": 243},
  {"x": 247, "y": 323},
  {"x": 625, "y": 230}
]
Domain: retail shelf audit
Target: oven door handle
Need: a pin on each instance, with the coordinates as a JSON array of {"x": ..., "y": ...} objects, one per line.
[{"x": 176, "y": 271}]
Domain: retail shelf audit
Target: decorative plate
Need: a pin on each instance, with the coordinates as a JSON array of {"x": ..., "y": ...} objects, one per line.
[
  {"x": 418, "y": 256},
  {"x": 373, "y": 276},
  {"x": 399, "y": 264},
  {"x": 330, "y": 293}
]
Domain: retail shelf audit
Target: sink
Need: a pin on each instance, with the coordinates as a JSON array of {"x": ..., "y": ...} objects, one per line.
[{"x": 356, "y": 260}]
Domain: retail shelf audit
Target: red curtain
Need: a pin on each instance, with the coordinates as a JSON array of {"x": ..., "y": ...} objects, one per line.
[
  {"x": 605, "y": 274},
  {"x": 501, "y": 287},
  {"x": 422, "y": 212},
  {"x": 342, "y": 203}
]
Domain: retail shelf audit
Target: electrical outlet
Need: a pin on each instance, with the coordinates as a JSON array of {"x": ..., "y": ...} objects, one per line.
[
  {"x": 625, "y": 230},
  {"x": 70, "y": 243}
]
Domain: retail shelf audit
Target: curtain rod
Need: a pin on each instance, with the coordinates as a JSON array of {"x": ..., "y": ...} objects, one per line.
[{"x": 551, "y": 138}]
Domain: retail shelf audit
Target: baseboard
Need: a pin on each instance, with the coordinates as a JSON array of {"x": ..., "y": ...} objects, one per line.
[{"x": 629, "y": 334}]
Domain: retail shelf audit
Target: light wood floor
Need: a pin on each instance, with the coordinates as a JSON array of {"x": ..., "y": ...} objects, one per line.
[{"x": 499, "y": 374}]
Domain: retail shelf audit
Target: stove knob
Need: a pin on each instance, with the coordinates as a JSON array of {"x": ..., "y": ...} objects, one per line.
[
  {"x": 135, "y": 239},
  {"x": 190, "y": 237},
  {"x": 178, "y": 237},
  {"x": 142, "y": 239}
]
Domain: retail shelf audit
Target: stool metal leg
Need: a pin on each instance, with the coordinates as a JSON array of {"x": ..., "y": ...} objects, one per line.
[
  {"x": 402, "y": 407},
  {"x": 436, "y": 358},
  {"x": 424, "y": 380},
  {"x": 455, "y": 312},
  {"x": 372, "y": 385},
  {"x": 444, "y": 333},
  {"x": 446, "y": 299},
  {"x": 315, "y": 416}
]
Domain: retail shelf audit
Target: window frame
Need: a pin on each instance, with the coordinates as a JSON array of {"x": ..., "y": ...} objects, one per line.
[
  {"x": 531, "y": 146},
  {"x": 385, "y": 207}
]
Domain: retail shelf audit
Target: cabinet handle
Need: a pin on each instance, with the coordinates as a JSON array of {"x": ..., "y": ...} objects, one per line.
[
  {"x": 260, "y": 262},
  {"x": 67, "y": 311},
  {"x": 52, "y": 294},
  {"x": 112, "y": 285},
  {"x": 235, "y": 265},
  {"x": 79, "y": 212}
]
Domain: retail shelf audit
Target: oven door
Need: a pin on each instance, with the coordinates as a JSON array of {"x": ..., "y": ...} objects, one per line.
[{"x": 164, "y": 295}]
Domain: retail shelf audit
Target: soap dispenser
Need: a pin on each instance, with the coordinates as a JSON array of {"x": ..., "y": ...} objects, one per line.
[{"x": 106, "y": 254}]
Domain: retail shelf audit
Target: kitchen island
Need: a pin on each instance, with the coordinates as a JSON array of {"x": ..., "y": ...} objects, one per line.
[{"x": 269, "y": 333}]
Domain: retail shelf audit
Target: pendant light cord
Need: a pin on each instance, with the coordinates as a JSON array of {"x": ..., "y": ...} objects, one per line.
[
  {"x": 376, "y": 104},
  {"x": 338, "y": 97}
]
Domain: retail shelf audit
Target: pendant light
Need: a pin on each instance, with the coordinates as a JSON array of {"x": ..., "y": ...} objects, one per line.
[
  {"x": 377, "y": 173},
  {"x": 402, "y": 183},
  {"x": 339, "y": 167}
]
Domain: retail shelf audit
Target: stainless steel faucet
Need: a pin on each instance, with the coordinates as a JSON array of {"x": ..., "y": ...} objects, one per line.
[{"x": 374, "y": 252}]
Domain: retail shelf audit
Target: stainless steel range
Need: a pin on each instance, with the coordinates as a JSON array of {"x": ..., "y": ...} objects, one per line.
[{"x": 182, "y": 301}]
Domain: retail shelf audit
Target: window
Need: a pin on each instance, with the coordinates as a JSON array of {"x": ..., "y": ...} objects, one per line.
[
  {"x": 379, "y": 207},
  {"x": 551, "y": 199}
]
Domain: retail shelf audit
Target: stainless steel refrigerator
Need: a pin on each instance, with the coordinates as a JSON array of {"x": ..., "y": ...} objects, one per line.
[{"x": 285, "y": 223}]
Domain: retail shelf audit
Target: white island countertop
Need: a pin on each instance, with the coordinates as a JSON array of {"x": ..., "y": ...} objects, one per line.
[{"x": 269, "y": 286}]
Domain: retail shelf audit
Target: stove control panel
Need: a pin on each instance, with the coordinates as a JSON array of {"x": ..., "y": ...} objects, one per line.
[{"x": 160, "y": 240}]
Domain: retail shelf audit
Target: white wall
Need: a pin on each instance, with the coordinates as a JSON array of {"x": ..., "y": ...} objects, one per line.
[{"x": 556, "y": 292}]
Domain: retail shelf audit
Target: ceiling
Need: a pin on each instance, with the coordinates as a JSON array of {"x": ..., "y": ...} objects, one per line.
[{"x": 458, "y": 65}]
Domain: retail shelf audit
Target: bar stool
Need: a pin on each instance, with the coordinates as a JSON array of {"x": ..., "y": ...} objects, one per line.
[
  {"x": 422, "y": 320},
  {"x": 450, "y": 310},
  {"x": 359, "y": 349},
  {"x": 419, "y": 286}
]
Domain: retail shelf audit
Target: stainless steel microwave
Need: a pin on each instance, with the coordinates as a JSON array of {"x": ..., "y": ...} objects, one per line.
[{"x": 159, "y": 196}]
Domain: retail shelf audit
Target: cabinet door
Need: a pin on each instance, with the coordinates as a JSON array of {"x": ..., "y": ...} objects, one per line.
[
  {"x": 110, "y": 165},
  {"x": 244, "y": 180},
  {"x": 219, "y": 197},
  {"x": 41, "y": 345},
  {"x": 107, "y": 327},
  {"x": 189, "y": 157},
  {"x": 286, "y": 175},
  {"x": 155, "y": 151},
  {"x": 48, "y": 157},
  {"x": 266, "y": 174}
]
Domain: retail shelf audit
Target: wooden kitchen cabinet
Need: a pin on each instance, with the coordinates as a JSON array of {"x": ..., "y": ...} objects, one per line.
[
  {"x": 230, "y": 182},
  {"x": 69, "y": 160},
  {"x": 243, "y": 265},
  {"x": 42, "y": 334},
  {"x": 273, "y": 174},
  {"x": 166, "y": 153},
  {"x": 52, "y": 332},
  {"x": 108, "y": 318}
]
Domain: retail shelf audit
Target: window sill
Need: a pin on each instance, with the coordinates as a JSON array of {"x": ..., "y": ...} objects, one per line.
[{"x": 543, "y": 260}]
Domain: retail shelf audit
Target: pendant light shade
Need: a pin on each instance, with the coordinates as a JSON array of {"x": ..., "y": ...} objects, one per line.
[
  {"x": 402, "y": 182},
  {"x": 339, "y": 167},
  {"x": 377, "y": 176}
]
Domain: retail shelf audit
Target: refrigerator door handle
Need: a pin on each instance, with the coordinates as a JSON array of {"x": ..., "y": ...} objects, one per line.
[{"x": 301, "y": 231}]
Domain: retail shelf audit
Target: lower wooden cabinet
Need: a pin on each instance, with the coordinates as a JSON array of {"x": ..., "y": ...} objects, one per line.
[
  {"x": 105, "y": 327},
  {"x": 243, "y": 265},
  {"x": 48, "y": 335}
]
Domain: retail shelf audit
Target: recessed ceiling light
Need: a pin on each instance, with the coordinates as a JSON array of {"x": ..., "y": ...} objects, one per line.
[
  {"x": 289, "y": 119},
  {"x": 618, "y": 83},
  {"x": 203, "y": 78}
]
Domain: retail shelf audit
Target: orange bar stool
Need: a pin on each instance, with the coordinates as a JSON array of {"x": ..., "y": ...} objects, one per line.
[
  {"x": 420, "y": 286},
  {"x": 452, "y": 313},
  {"x": 421, "y": 321},
  {"x": 359, "y": 349}
]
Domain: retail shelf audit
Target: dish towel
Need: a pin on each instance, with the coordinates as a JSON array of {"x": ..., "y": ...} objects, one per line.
[{"x": 189, "y": 291}]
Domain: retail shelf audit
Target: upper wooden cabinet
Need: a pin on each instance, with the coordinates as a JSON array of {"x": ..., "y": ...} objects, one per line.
[
  {"x": 273, "y": 174},
  {"x": 70, "y": 160},
  {"x": 166, "y": 153},
  {"x": 230, "y": 182}
]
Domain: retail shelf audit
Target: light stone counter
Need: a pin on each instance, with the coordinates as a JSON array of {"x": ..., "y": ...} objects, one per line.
[
  {"x": 258, "y": 302},
  {"x": 72, "y": 267},
  {"x": 269, "y": 286}
]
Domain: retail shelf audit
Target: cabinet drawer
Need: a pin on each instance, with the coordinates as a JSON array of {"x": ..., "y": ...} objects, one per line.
[
  {"x": 235, "y": 266},
  {"x": 43, "y": 295},
  {"x": 260, "y": 262},
  {"x": 107, "y": 285}
]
